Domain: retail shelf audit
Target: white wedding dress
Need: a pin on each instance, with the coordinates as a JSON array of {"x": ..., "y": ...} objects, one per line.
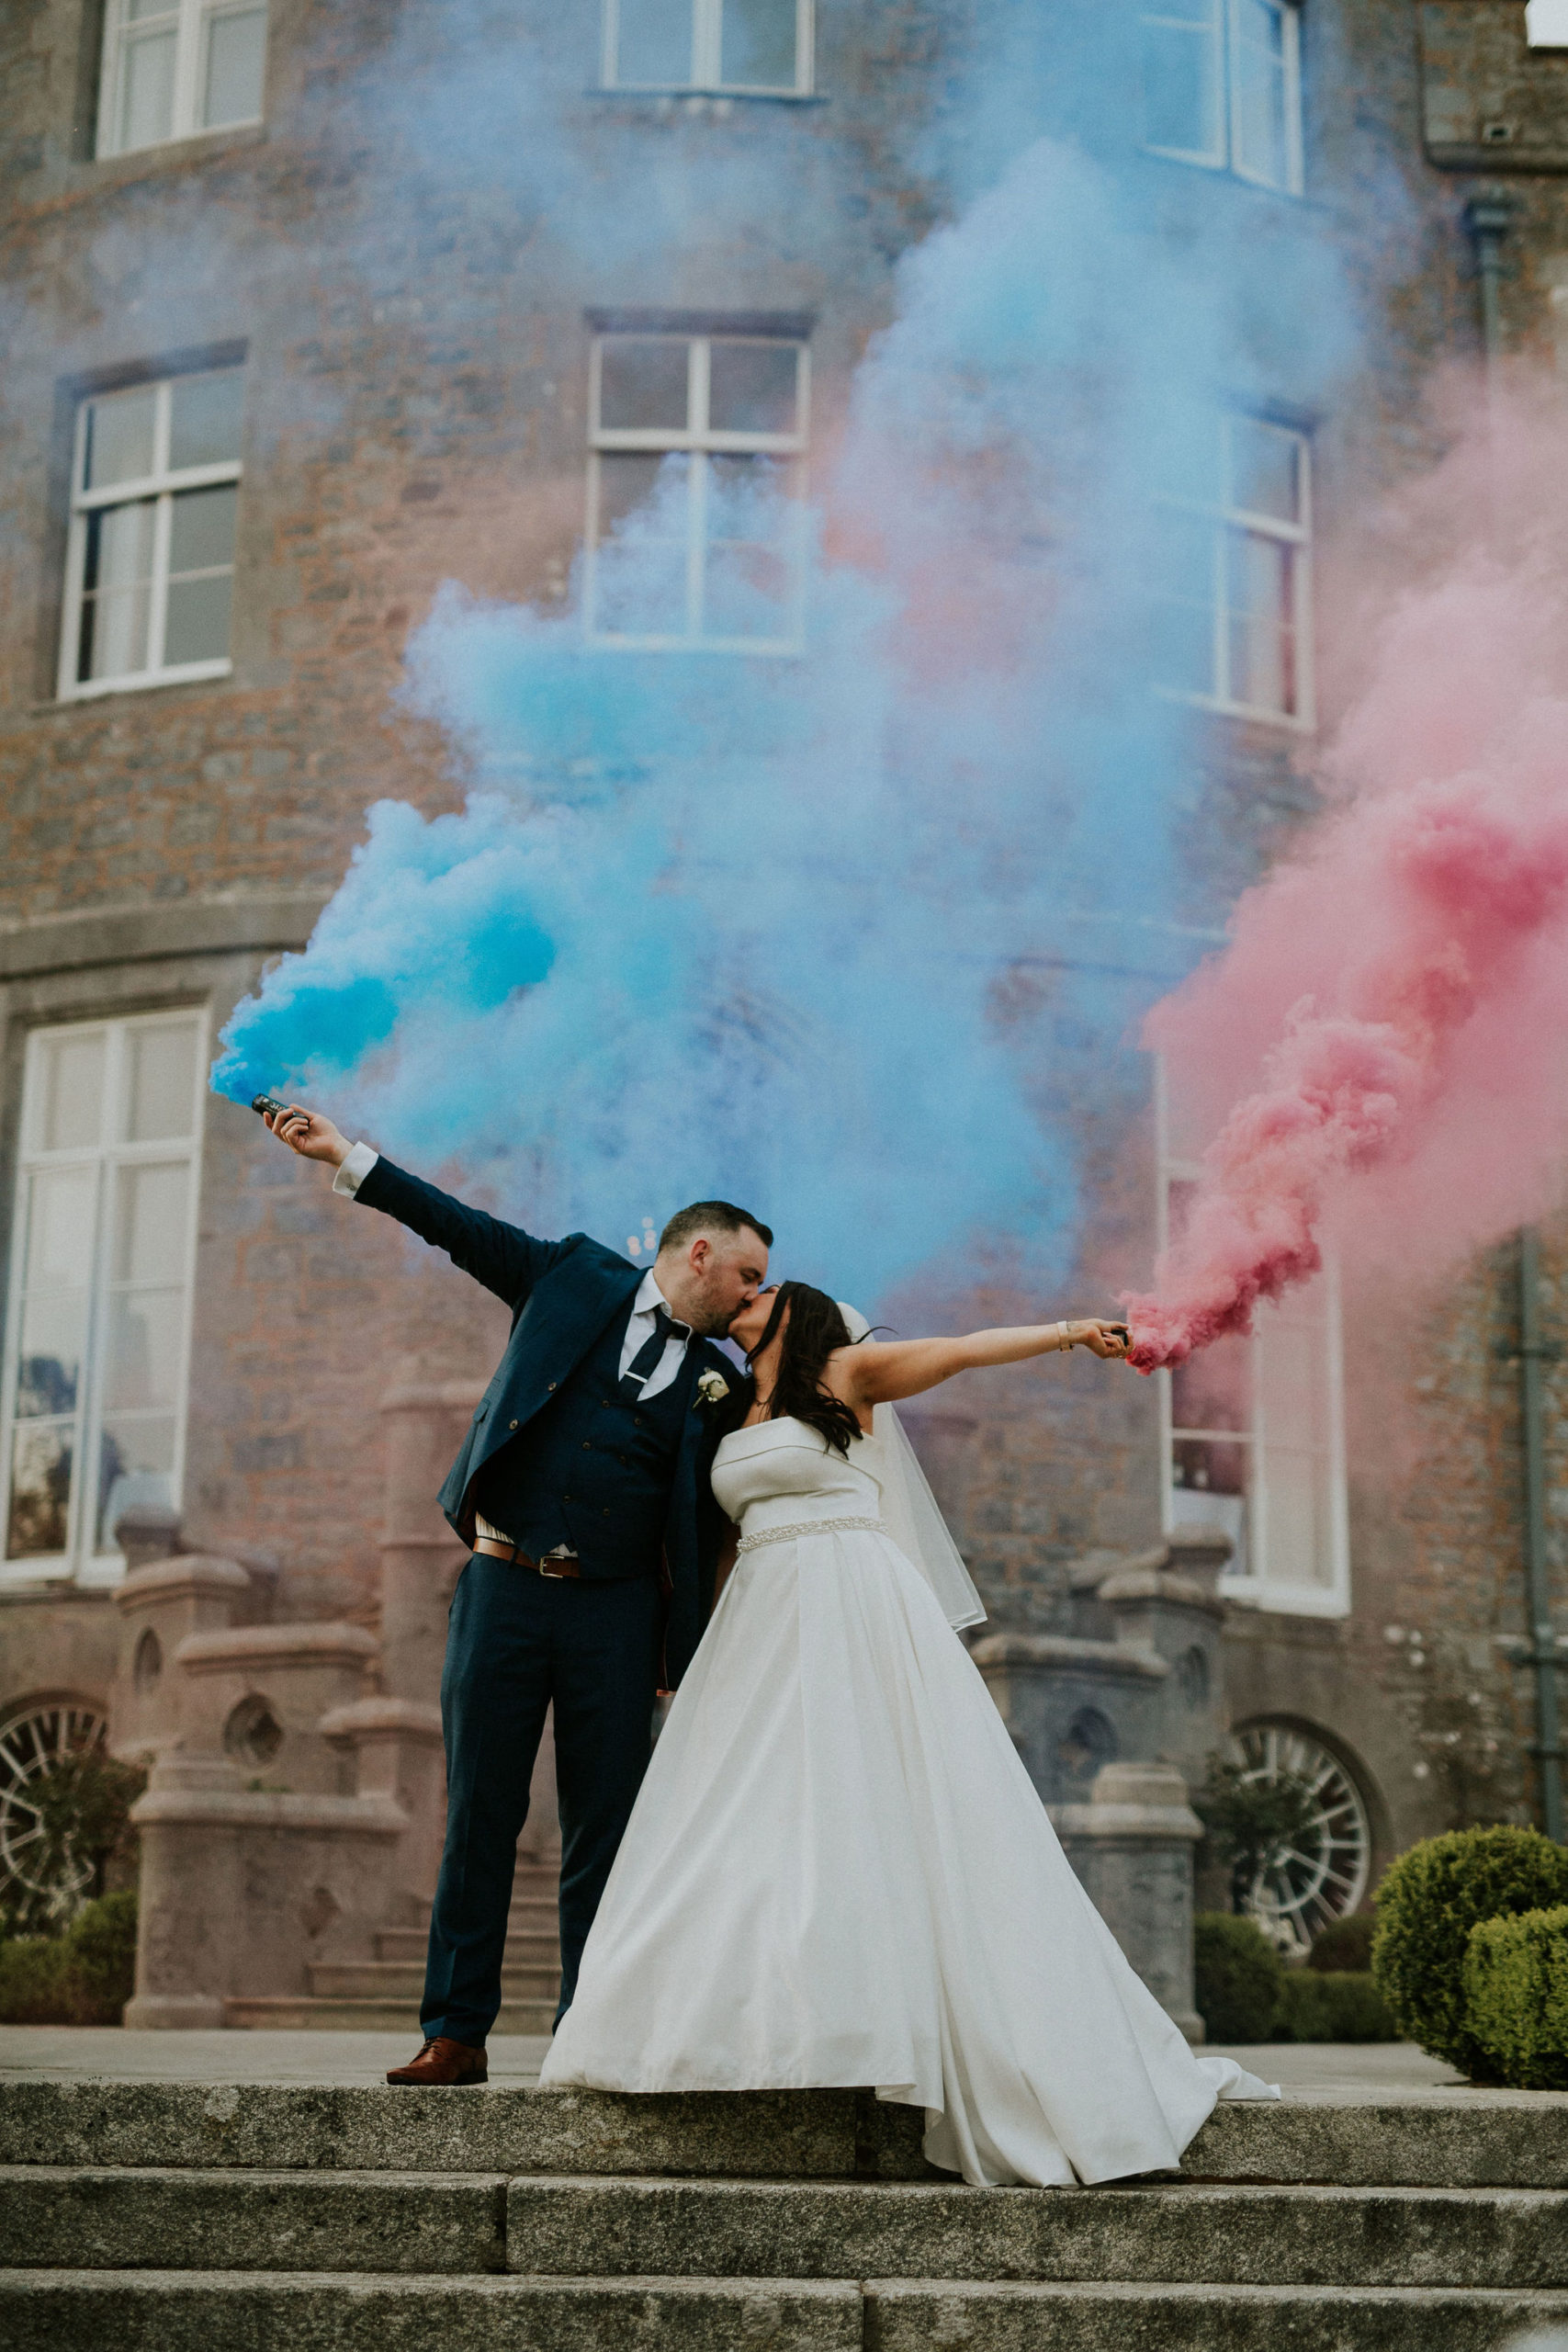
[{"x": 838, "y": 1873}]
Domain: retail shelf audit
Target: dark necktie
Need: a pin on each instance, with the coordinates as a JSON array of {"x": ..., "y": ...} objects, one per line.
[{"x": 647, "y": 1359}]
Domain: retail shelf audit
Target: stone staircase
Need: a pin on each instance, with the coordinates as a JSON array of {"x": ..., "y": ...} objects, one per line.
[
  {"x": 382, "y": 1995},
  {"x": 166, "y": 2217}
]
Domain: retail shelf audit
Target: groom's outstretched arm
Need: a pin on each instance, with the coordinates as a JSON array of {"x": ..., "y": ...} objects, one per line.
[{"x": 503, "y": 1257}]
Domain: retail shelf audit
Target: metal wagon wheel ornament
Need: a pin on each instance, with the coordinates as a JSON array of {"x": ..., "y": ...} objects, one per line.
[
  {"x": 1322, "y": 1874},
  {"x": 32, "y": 1742}
]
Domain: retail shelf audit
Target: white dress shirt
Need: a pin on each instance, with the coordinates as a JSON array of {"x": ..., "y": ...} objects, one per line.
[{"x": 360, "y": 1159}]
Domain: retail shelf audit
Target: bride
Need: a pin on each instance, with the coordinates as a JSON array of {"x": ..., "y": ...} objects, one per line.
[{"x": 838, "y": 1871}]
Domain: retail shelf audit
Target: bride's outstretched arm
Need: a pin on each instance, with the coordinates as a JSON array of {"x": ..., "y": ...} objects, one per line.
[{"x": 881, "y": 1371}]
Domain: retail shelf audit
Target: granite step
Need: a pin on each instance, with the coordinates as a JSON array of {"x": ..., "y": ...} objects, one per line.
[
  {"x": 527, "y": 1924},
  {"x": 149, "y": 2311},
  {"x": 1443, "y": 2140},
  {"x": 403, "y": 1980},
  {"x": 133, "y": 2217},
  {"x": 1174, "y": 2232},
  {"x": 303, "y": 2013},
  {"x": 496, "y": 2128},
  {"x": 130, "y": 2217},
  {"x": 173, "y": 2311}
]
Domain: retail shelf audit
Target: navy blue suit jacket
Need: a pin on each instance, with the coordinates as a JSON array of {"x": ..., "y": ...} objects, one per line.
[{"x": 562, "y": 1294}]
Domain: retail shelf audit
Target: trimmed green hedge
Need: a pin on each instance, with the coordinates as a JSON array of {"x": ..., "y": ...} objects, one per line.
[
  {"x": 1343, "y": 2006},
  {"x": 83, "y": 1977},
  {"x": 1237, "y": 1977},
  {"x": 1516, "y": 1982},
  {"x": 1429, "y": 1901},
  {"x": 1244, "y": 1992}
]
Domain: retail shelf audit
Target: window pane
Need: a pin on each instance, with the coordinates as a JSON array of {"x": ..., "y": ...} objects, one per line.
[
  {"x": 59, "y": 1229},
  {"x": 236, "y": 62},
  {"x": 162, "y": 1077},
  {"x": 759, "y": 44},
  {"x": 1260, "y": 104},
  {"x": 204, "y": 418},
  {"x": 753, "y": 387},
  {"x": 147, "y": 90},
  {"x": 197, "y": 628},
  {"x": 72, "y": 1073},
  {"x": 41, "y": 1491},
  {"x": 139, "y": 11},
  {"x": 49, "y": 1370},
  {"x": 143, "y": 1355},
  {"x": 117, "y": 599},
  {"x": 1214, "y": 1389},
  {"x": 201, "y": 530},
  {"x": 654, "y": 43},
  {"x": 749, "y": 573},
  {"x": 643, "y": 385},
  {"x": 1181, "y": 80},
  {"x": 120, "y": 437},
  {"x": 150, "y": 1224},
  {"x": 135, "y": 1461},
  {"x": 1266, "y": 468},
  {"x": 1300, "y": 1549},
  {"x": 640, "y": 570},
  {"x": 1261, "y": 574},
  {"x": 1292, "y": 1379}
]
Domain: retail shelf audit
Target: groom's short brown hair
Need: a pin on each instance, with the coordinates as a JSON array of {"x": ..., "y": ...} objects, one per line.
[{"x": 711, "y": 1217}]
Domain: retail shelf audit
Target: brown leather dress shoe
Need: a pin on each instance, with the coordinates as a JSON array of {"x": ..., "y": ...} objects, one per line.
[{"x": 441, "y": 2060}]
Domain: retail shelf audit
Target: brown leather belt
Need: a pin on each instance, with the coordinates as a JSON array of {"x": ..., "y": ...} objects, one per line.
[{"x": 550, "y": 1567}]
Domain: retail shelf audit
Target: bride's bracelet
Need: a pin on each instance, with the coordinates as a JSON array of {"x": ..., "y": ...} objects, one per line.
[{"x": 1064, "y": 1344}]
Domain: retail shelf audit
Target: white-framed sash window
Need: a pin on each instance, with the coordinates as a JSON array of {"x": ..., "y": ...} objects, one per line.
[
  {"x": 149, "y": 566},
  {"x": 1252, "y": 1430},
  {"x": 753, "y": 48},
  {"x": 1546, "y": 24},
  {"x": 175, "y": 67},
  {"x": 1222, "y": 86},
  {"x": 97, "y": 1326},
  {"x": 696, "y": 526},
  {"x": 1234, "y": 590}
]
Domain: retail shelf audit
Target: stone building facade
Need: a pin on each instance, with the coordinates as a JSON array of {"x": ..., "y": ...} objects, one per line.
[{"x": 265, "y": 284}]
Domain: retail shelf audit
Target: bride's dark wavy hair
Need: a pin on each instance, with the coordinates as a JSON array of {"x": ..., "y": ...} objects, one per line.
[{"x": 815, "y": 1329}]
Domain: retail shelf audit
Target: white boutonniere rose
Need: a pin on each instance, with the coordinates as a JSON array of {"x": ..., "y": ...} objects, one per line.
[{"x": 712, "y": 1388}]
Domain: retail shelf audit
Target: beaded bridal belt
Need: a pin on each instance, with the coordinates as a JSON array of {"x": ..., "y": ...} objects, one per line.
[{"x": 807, "y": 1527}]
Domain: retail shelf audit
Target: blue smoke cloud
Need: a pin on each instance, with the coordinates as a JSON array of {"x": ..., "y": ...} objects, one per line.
[{"x": 712, "y": 924}]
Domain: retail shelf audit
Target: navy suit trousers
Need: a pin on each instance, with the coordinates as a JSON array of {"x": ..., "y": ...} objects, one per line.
[{"x": 517, "y": 1641}]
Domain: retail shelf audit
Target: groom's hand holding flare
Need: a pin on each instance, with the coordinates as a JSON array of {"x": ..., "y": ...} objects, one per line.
[{"x": 309, "y": 1133}]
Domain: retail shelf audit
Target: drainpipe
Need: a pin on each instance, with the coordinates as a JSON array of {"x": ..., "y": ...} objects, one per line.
[
  {"x": 1541, "y": 1653},
  {"x": 1489, "y": 218}
]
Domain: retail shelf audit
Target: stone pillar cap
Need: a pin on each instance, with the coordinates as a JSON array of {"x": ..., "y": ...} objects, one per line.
[
  {"x": 306, "y": 1644},
  {"x": 380, "y": 1717},
  {"x": 188, "y": 1576}
]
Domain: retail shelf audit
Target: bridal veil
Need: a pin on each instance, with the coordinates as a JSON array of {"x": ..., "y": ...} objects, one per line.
[{"x": 909, "y": 1509}]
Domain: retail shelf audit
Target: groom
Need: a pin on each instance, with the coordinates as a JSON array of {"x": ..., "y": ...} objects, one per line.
[{"x": 582, "y": 1491}]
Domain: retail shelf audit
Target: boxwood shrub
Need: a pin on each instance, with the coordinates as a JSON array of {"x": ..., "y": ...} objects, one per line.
[
  {"x": 1343, "y": 2006},
  {"x": 1237, "y": 1977},
  {"x": 1428, "y": 1902},
  {"x": 1516, "y": 1982},
  {"x": 83, "y": 1977}
]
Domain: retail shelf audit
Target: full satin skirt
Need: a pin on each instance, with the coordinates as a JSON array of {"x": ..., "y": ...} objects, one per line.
[{"x": 839, "y": 1874}]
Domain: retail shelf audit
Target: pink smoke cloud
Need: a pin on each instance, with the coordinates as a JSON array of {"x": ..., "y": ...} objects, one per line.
[{"x": 1388, "y": 1022}]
